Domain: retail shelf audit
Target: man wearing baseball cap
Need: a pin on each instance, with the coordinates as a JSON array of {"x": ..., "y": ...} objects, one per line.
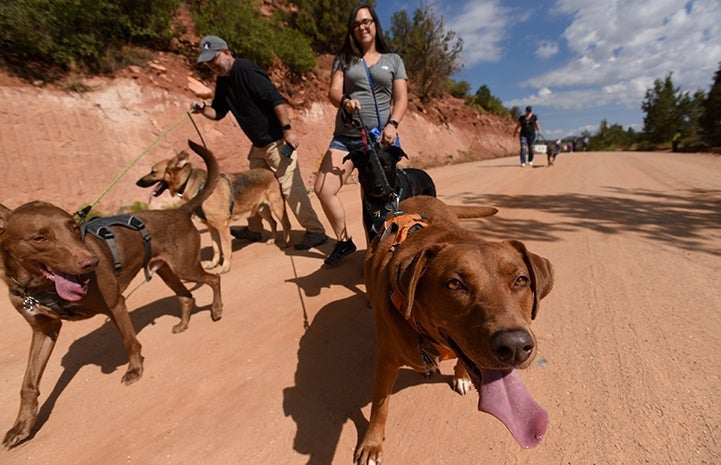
[{"x": 244, "y": 89}]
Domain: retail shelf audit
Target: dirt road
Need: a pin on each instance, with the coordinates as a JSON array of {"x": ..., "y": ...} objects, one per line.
[{"x": 630, "y": 340}]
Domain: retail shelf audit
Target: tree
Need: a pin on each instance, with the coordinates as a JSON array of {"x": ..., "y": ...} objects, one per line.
[
  {"x": 430, "y": 53},
  {"x": 661, "y": 108},
  {"x": 611, "y": 137},
  {"x": 668, "y": 110},
  {"x": 325, "y": 22},
  {"x": 486, "y": 100},
  {"x": 710, "y": 122}
]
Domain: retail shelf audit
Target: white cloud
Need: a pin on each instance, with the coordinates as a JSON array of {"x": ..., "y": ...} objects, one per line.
[
  {"x": 546, "y": 49},
  {"x": 621, "y": 47},
  {"x": 482, "y": 24}
]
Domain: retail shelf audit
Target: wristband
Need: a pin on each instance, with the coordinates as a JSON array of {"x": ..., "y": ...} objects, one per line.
[
  {"x": 286, "y": 127},
  {"x": 393, "y": 123}
]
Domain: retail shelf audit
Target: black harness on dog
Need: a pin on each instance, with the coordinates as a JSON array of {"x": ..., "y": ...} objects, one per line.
[
  {"x": 381, "y": 208},
  {"x": 100, "y": 227}
]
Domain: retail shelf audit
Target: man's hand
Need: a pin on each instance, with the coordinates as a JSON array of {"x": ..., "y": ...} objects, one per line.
[{"x": 198, "y": 107}]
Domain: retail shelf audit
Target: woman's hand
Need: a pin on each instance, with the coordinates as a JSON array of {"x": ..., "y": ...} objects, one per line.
[
  {"x": 389, "y": 134},
  {"x": 350, "y": 105}
]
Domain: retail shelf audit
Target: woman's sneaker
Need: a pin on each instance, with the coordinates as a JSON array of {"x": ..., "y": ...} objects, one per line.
[{"x": 341, "y": 250}]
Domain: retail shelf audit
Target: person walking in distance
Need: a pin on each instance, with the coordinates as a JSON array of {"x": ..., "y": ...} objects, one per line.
[
  {"x": 244, "y": 89},
  {"x": 527, "y": 127},
  {"x": 366, "y": 79}
]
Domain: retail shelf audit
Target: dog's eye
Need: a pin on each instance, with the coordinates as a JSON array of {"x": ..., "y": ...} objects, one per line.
[
  {"x": 521, "y": 281},
  {"x": 39, "y": 239},
  {"x": 455, "y": 284}
]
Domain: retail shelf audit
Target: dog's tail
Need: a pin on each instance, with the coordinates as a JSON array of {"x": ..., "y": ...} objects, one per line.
[
  {"x": 471, "y": 211},
  {"x": 211, "y": 179}
]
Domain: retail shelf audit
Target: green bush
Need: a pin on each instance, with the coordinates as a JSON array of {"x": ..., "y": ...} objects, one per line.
[
  {"x": 293, "y": 49},
  {"x": 459, "y": 89},
  {"x": 68, "y": 34},
  {"x": 251, "y": 36}
]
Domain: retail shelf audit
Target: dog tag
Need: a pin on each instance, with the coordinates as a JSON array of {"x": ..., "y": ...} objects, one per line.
[{"x": 30, "y": 304}]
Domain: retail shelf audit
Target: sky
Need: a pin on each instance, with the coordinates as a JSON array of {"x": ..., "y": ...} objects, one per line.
[{"x": 578, "y": 62}]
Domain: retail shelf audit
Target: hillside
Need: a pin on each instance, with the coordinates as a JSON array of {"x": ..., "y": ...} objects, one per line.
[{"x": 66, "y": 147}]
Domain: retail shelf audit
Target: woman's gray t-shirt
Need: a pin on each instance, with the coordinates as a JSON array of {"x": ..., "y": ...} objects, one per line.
[{"x": 388, "y": 68}]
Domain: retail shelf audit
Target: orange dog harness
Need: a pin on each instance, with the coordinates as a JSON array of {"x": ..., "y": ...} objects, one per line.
[{"x": 402, "y": 225}]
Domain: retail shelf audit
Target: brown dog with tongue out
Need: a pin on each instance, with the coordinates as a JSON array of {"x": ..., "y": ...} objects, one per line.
[
  {"x": 439, "y": 291},
  {"x": 53, "y": 275}
]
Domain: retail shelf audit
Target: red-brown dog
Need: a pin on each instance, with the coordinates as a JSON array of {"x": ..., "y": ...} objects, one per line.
[
  {"x": 53, "y": 275},
  {"x": 439, "y": 291}
]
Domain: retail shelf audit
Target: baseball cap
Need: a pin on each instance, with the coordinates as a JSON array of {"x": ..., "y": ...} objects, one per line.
[{"x": 208, "y": 46}]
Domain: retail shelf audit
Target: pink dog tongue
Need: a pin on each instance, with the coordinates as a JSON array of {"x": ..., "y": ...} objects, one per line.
[
  {"x": 69, "y": 287},
  {"x": 504, "y": 396}
]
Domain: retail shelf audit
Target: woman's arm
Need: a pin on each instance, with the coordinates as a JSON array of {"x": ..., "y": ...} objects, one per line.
[
  {"x": 398, "y": 111},
  {"x": 335, "y": 93},
  {"x": 399, "y": 99}
]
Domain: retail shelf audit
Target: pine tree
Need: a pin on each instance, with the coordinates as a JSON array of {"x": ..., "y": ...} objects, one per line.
[{"x": 711, "y": 117}]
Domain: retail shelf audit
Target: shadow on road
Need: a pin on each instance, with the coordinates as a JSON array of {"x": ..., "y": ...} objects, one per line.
[
  {"x": 684, "y": 220},
  {"x": 104, "y": 348},
  {"x": 334, "y": 378}
]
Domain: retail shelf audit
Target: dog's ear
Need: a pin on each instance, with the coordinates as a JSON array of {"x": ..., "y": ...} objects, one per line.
[
  {"x": 356, "y": 156},
  {"x": 179, "y": 161},
  {"x": 408, "y": 274},
  {"x": 4, "y": 214},
  {"x": 396, "y": 152},
  {"x": 541, "y": 274}
]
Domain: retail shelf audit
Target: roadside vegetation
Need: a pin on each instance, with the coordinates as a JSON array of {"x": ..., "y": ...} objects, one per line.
[{"x": 59, "y": 39}]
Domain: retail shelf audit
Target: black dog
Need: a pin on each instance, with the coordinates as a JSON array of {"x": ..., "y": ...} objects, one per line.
[{"x": 384, "y": 185}]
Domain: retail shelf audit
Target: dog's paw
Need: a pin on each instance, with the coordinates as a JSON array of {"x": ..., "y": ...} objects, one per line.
[
  {"x": 216, "y": 313},
  {"x": 209, "y": 265},
  {"x": 180, "y": 327},
  {"x": 461, "y": 383},
  {"x": 18, "y": 433},
  {"x": 367, "y": 454},
  {"x": 132, "y": 376}
]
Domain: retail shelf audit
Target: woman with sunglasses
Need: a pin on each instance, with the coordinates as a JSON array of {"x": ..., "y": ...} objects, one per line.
[{"x": 364, "y": 59}]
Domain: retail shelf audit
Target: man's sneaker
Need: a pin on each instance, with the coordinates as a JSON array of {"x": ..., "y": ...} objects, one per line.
[
  {"x": 246, "y": 234},
  {"x": 342, "y": 249},
  {"x": 523, "y": 165},
  {"x": 311, "y": 239}
]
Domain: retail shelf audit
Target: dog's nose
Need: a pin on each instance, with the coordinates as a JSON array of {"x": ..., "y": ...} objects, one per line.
[
  {"x": 512, "y": 347},
  {"x": 88, "y": 263}
]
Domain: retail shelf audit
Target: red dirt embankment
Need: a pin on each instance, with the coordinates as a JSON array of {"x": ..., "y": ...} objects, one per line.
[{"x": 67, "y": 147}]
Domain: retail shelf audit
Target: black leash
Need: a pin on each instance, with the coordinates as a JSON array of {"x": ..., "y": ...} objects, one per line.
[{"x": 375, "y": 160}]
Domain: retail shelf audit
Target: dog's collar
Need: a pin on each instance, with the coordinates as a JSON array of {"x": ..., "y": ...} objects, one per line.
[
  {"x": 181, "y": 191},
  {"x": 402, "y": 225},
  {"x": 430, "y": 357},
  {"x": 32, "y": 303}
]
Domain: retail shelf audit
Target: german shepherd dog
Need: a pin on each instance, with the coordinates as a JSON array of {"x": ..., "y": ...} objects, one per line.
[
  {"x": 236, "y": 196},
  {"x": 53, "y": 275}
]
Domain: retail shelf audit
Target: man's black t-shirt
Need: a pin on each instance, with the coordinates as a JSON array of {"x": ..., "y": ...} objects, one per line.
[{"x": 250, "y": 95}]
